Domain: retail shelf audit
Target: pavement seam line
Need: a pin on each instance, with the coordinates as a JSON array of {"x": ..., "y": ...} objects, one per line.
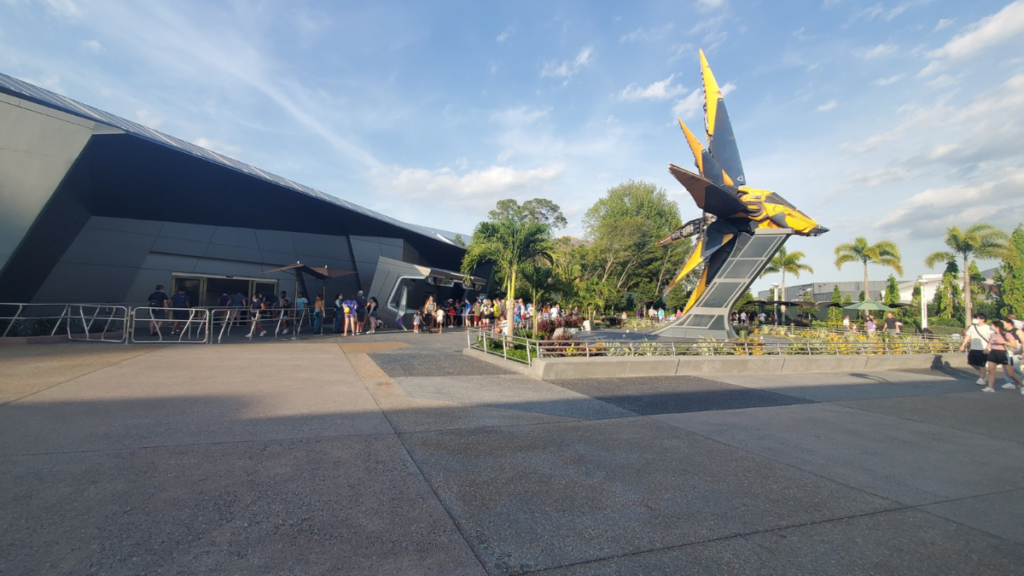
[
  {"x": 419, "y": 469},
  {"x": 150, "y": 351},
  {"x": 752, "y": 533}
]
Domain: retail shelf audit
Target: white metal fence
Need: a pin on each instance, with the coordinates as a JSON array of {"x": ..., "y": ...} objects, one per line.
[
  {"x": 89, "y": 322},
  {"x": 525, "y": 350}
]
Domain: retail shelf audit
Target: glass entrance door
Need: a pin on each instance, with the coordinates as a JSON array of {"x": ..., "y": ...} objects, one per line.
[{"x": 193, "y": 288}]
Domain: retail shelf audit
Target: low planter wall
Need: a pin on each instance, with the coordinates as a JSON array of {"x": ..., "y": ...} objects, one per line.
[{"x": 622, "y": 366}]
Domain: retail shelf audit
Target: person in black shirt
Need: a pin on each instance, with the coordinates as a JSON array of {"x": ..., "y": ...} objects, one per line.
[
  {"x": 255, "y": 306},
  {"x": 180, "y": 303},
  {"x": 157, "y": 299},
  {"x": 360, "y": 312},
  {"x": 891, "y": 324}
]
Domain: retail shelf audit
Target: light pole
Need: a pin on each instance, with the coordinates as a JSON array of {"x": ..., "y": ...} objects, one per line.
[
  {"x": 775, "y": 297},
  {"x": 924, "y": 307}
]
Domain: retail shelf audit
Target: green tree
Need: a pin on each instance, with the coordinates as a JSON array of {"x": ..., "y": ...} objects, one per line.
[
  {"x": 678, "y": 296},
  {"x": 884, "y": 253},
  {"x": 596, "y": 296},
  {"x": 892, "y": 291},
  {"x": 539, "y": 210},
  {"x": 623, "y": 228},
  {"x": 982, "y": 241},
  {"x": 835, "y": 314},
  {"x": 509, "y": 244},
  {"x": 785, "y": 261},
  {"x": 1011, "y": 290}
]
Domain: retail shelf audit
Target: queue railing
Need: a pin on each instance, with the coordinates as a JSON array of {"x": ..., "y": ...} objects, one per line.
[
  {"x": 89, "y": 322},
  {"x": 156, "y": 325}
]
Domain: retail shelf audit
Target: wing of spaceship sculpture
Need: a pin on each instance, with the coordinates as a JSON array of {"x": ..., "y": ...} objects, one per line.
[{"x": 719, "y": 189}]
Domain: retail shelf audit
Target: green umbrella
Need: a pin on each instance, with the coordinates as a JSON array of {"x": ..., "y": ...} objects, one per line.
[{"x": 868, "y": 305}]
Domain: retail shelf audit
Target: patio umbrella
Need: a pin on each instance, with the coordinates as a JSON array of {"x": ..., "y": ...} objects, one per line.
[
  {"x": 868, "y": 305},
  {"x": 829, "y": 305},
  {"x": 321, "y": 273},
  {"x": 901, "y": 305}
]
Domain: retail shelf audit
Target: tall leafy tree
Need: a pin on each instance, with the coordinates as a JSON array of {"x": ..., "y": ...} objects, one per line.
[
  {"x": 623, "y": 227},
  {"x": 785, "y": 261},
  {"x": 884, "y": 253},
  {"x": 982, "y": 241},
  {"x": 537, "y": 210},
  {"x": 892, "y": 291},
  {"x": 509, "y": 244},
  {"x": 1011, "y": 290}
]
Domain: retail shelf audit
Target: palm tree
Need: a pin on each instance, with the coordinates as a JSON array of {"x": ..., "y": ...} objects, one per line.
[
  {"x": 536, "y": 279},
  {"x": 785, "y": 261},
  {"x": 508, "y": 244},
  {"x": 981, "y": 241},
  {"x": 884, "y": 253}
]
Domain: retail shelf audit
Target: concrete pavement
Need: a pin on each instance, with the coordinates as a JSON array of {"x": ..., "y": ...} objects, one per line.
[{"x": 396, "y": 454}]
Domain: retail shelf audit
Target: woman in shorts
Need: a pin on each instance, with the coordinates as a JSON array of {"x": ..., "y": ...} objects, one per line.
[
  {"x": 1000, "y": 339},
  {"x": 372, "y": 307}
]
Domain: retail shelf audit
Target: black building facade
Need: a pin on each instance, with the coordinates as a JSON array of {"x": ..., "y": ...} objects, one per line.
[{"x": 95, "y": 208}]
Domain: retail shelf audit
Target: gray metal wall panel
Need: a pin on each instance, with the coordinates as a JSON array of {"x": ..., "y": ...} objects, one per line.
[
  {"x": 278, "y": 259},
  {"x": 109, "y": 248},
  {"x": 240, "y": 237},
  {"x": 194, "y": 232},
  {"x": 275, "y": 241},
  {"x": 179, "y": 246},
  {"x": 228, "y": 268},
  {"x": 144, "y": 283},
  {"x": 36, "y": 151},
  {"x": 86, "y": 283},
  {"x": 170, "y": 262},
  {"x": 321, "y": 245},
  {"x": 125, "y": 225},
  {"x": 222, "y": 252}
]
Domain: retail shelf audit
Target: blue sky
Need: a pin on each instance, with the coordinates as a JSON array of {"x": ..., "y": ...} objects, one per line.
[{"x": 890, "y": 120}]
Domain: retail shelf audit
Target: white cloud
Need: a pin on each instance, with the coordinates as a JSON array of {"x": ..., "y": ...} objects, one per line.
[
  {"x": 928, "y": 213},
  {"x": 92, "y": 46},
  {"x": 567, "y": 69},
  {"x": 148, "y": 119},
  {"x": 477, "y": 189},
  {"x": 693, "y": 104},
  {"x": 943, "y": 81},
  {"x": 880, "y": 50},
  {"x": 660, "y": 90},
  {"x": 518, "y": 117},
  {"x": 889, "y": 80},
  {"x": 881, "y": 176},
  {"x": 218, "y": 147},
  {"x": 66, "y": 8},
  {"x": 505, "y": 34},
  {"x": 506, "y": 154},
  {"x": 827, "y": 106},
  {"x": 944, "y": 23},
  {"x": 707, "y": 5},
  {"x": 901, "y": 8},
  {"x": 644, "y": 35},
  {"x": 991, "y": 30}
]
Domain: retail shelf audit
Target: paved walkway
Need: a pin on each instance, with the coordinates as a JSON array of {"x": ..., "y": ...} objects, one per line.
[{"x": 396, "y": 454}]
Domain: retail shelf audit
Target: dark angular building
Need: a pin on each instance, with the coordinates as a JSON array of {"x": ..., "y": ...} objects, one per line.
[{"x": 95, "y": 208}]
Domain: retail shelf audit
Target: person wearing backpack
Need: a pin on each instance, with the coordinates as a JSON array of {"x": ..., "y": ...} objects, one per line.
[
  {"x": 977, "y": 337},
  {"x": 158, "y": 299}
]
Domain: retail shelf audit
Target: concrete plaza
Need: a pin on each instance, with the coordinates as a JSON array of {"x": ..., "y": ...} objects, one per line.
[{"x": 397, "y": 454}]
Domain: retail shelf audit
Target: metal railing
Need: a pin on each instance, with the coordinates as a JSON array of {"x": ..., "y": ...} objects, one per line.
[
  {"x": 150, "y": 325},
  {"x": 90, "y": 322},
  {"x": 525, "y": 350}
]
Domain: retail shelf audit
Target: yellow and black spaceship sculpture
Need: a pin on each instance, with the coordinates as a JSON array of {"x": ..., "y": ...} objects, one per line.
[{"x": 740, "y": 231}]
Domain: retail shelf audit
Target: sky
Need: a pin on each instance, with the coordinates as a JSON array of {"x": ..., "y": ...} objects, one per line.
[{"x": 890, "y": 120}]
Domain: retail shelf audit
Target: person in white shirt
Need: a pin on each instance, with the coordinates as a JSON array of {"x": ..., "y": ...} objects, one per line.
[{"x": 977, "y": 337}]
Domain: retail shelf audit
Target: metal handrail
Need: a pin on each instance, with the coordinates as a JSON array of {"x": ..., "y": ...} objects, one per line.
[
  {"x": 481, "y": 340},
  {"x": 86, "y": 314}
]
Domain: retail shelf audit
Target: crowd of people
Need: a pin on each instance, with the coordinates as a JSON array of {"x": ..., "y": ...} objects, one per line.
[{"x": 483, "y": 313}]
